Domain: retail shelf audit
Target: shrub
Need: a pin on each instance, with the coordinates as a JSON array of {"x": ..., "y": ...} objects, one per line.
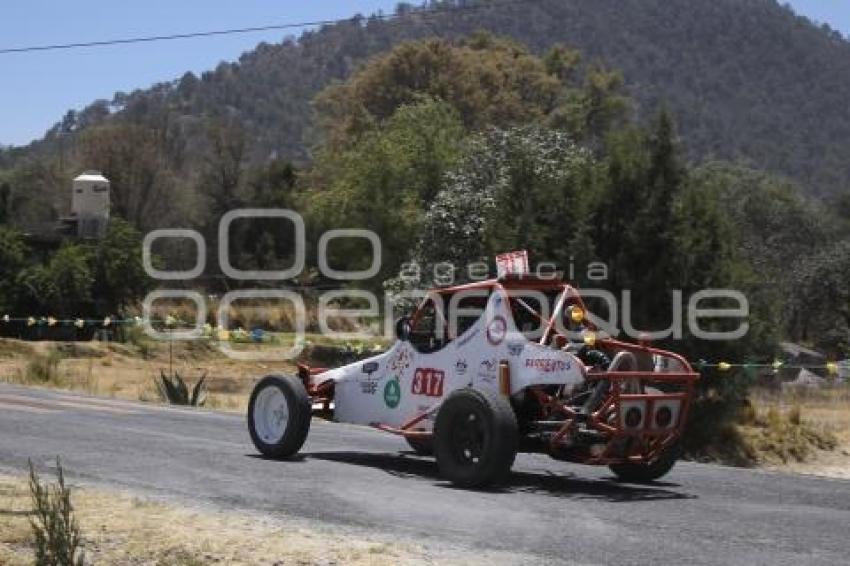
[
  {"x": 44, "y": 368},
  {"x": 54, "y": 526},
  {"x": 775, "y": 436},
  {"x": 173, "y": 388},
  {"x": 136, "y": 337}
]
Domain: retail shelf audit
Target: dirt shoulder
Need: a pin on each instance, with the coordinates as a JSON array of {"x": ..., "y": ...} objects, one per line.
[{"x": 123, "y": 528}]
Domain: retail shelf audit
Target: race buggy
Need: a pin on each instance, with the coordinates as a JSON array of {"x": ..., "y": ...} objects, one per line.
[{"x": 482, "y": 371}]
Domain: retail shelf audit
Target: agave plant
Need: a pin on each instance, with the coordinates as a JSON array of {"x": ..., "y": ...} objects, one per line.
[{"x": 173, "y": 389}]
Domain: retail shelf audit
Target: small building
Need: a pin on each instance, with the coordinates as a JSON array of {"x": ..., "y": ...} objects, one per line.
[
  {"x": 799, "y": 354},
  {"x": 88, "y": 218},
  {"x": 805, "y": 380},
  {"x": 90, "y": 200},
  {"x": 844, "y": 370}
]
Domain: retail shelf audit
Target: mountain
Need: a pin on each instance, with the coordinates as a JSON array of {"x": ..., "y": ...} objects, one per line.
[{"x": 746, "y": 80}]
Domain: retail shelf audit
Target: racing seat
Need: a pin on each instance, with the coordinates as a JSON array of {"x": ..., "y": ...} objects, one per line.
[{"x": 623, "y": 361}]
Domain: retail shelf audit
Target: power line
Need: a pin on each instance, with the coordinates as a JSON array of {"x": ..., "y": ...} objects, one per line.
[{"x": 150, "y": 39}]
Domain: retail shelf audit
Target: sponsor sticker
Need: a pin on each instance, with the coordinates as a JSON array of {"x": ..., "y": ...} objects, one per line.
[
  {"x": 368, "y": 387},
  {"x": 547, "y": 365},
  {"x": 496, "y": 330},
  {"x": 515, "y": 348},
  {"x": 392, "y": 393},
  {"x": 461, "y": 366},
  {"x": 401, "y": 360},
  {"x": 370, "y": 367},
  {"x": 487, "y": 369}
]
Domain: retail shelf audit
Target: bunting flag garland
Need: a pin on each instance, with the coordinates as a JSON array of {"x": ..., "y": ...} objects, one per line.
[
  {"x": 78, "y": 322},
  {"x": 170, "y": 322},
  {"x": 750, "y": 368},
  {"x": 831, "y": 368}
]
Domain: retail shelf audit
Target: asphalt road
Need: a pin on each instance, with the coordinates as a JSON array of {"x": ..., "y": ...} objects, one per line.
[{"x": 551, "y": 512}]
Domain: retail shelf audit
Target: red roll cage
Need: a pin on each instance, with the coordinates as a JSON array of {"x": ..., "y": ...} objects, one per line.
[{"x": 644, "y": 442}]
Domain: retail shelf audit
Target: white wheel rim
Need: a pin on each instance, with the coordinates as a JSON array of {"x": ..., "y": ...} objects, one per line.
[{"x": 271, "y": 415}]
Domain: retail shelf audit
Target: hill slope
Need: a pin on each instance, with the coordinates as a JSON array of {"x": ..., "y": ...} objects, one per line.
[{"x": 746, "y": 79}]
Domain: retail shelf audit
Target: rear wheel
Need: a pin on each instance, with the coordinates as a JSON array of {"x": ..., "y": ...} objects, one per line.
[
  {"x": 422, "y": 445},
  {"x": 475, "y": 438},
  {"x": 645, "y": 473},
  {"x": 279, "y": 415}
]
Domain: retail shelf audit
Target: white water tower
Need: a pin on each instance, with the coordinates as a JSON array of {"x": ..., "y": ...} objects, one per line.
[{"x": 90, "y": 204}]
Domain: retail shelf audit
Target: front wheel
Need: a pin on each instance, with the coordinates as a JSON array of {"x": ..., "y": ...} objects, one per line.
[
  {"x": 475, "y": 438},
  {"x": 645, "y": 473},
  {"x": 279, "y": 415}
]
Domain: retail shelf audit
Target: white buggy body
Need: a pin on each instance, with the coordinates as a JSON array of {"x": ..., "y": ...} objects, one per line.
[{"x": 404, "y": 382}]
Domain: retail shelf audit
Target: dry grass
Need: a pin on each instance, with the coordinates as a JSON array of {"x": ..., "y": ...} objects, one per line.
[
  {"x": 121, "y": 529},
  {"x": 819, "y": 442},
  {"x": 127, "y": 371},
  {"x": 121, "y": 371}
]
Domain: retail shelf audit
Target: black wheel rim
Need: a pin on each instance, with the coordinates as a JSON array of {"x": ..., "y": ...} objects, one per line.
[{"x": 468, "y": 438}]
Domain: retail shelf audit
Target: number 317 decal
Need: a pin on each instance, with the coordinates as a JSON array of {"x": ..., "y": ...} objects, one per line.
[{"x": 428, "y": 382}]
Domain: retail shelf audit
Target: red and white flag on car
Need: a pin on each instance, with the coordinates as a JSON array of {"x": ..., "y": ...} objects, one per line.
[{"x": 512, "y": 263}]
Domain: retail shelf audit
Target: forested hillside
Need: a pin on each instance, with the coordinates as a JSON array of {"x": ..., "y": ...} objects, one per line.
[
  {"x": 679, "y": 143},
  {"x": 745, "y": 80},
  {"x": 652, "y": 146}
]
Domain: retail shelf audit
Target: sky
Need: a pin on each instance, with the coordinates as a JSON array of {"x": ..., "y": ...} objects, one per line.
[{"x": 37, "y": 88}]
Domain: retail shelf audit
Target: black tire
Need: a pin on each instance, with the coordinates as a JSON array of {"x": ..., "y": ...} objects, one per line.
[
  {"x": 297, "y": 418},
  {"x": 475, "y": 438},
  {"x": 646, "y": 473},
  {"x": 422, "y": 445}
]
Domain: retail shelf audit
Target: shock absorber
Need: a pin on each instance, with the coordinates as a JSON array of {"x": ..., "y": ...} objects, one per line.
[{"x": 596, "y": 359}]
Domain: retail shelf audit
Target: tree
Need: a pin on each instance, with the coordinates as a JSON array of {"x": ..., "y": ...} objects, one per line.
[
  {"x": 824, "y": 299},
  {"x": 221, "y": 183},
  {"x": 13, "y": 257},
  {"x": 270, "y": 186},
  {"x": 517, "y": 188},
  {"x": 654, "y": 254},
  {"x": 120, "y": 277},
  {"x": 78, "y": 279},
  {"x": 636, "y": 219},
  {"x": 71, "y": 274},
  {"x": 225, "y": 165},
  {"x": 135, "y": 161},
  {"x": 37, "y": 192},
  {"x": 488, "y": 81},
  {"x": 62, "y": 287},
  {"x": 5, "y": 196},
  {"x": 596, "y": 108},
  {"x": 384, "y": 182},
  {"x": 774, "y": 236}
]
